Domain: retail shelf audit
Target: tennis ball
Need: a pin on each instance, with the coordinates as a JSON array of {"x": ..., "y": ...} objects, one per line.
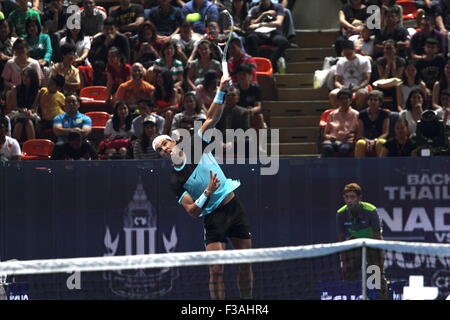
[{"x": 193, "y": 17}]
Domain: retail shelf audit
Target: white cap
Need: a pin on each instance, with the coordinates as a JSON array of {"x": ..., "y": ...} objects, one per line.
[
  {"x": 150, "y": 118},
  {"x": 160, "y": 138}
]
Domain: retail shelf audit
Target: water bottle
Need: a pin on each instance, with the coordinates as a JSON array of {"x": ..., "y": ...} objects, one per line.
[{"x": 281, "y": 63}]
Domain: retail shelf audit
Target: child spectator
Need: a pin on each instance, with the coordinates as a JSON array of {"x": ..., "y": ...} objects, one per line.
[{"x": 50, "y": 102}]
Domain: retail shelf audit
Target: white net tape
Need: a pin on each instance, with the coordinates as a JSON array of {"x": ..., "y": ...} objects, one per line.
[{"x": 213, "y": 257}]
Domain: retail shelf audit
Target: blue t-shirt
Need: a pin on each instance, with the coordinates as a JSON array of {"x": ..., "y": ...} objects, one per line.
[
  {"x": 208, "y": 12},
  {"x": 193, "y": 178},
  {"x": 79, "y": 121}
]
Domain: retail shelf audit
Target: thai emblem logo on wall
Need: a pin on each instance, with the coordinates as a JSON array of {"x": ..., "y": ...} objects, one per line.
[{"x": 140, "y": 232}]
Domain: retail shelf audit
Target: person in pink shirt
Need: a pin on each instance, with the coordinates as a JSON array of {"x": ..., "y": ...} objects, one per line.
[{"x": 341, "y": 128}]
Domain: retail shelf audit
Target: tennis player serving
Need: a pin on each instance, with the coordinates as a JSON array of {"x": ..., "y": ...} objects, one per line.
[{"x": 204, "y": 191}]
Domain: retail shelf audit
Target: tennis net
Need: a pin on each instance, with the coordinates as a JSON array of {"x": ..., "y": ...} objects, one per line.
[{"x": 336, "y": 271}]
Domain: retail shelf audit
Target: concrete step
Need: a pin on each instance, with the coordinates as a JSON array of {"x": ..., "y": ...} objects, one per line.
[
  {"x": 295, "y": 108},
  {"x": 303, "y": 67},
  {"x": 290, "y": 148},
  {"x": 294, "y": 121},
  {"x": 316, "y": 38},
  {"x": 309, "y": 54},
  {"x": 305, "y": 134},
  {"x": 294, "y": 80},
  {"x": 291, "y": 94}
]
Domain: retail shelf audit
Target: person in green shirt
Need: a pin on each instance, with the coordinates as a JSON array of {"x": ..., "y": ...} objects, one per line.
[
  {"x": 355, "y": 220},
  {"x": 17, "y": 17},
  {"x": 40, "y": 43}
]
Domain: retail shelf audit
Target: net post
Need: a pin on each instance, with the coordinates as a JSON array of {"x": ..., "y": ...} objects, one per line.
[{"x": 363, "y": 270}]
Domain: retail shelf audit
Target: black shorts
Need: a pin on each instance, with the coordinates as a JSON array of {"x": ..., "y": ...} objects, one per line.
[{"x": 228, "y": 221}]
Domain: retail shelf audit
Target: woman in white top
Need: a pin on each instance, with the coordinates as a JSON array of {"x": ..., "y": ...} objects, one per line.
[
  {"x": 83, "y": 45},
  {"x": 414, "y": 109},
  {"x": 411, "y": 81},
  {"x": 119, "y": 130}
]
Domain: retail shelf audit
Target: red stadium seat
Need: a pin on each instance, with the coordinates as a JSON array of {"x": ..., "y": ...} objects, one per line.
[
  {"x": 99, "y": 119},
  {"x": 324, "y": 118},
  {"x": 409, "y": 9},
  {"x": 263, "y": 66},
  {"x": 37, "y": 149},
  {"x": 94, "y": 98}
]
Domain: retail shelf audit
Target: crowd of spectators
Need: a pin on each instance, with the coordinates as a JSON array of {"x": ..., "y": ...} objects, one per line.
[
  {"x": 160, "y": 61},
  {"x": 398, "y": 71}
]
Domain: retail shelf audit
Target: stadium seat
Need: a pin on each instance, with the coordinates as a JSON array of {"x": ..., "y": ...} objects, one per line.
[
  {"x": 94, "y": 98},
  {"x": 99, "y": 119},
  {"x": 409, "y": 9},
  {"x": 37, "y": 149},
  {"x": 263, "y": 66},
  {"x": 322, "y": 125}
]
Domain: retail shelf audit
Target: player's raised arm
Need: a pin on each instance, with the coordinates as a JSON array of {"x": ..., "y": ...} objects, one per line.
[
  {"x": 216, "y": 108},
  {"x": 196, "y": 207}
]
